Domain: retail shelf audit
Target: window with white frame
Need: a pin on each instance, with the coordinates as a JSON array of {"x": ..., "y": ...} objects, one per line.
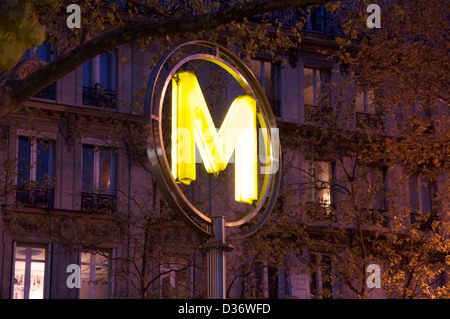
[
  {"x": 29, "y": 278},
  {"x": 422, "y": 192},
  {"x": 100, "y": 81},
  {"x": 35, "y": 171},
  {"x": 44, "y": 52},
  {"x": 99, "y": 169},
  {"x": 95, "y": 276},
  {"x": 98, "y": 189},
  {"x": 319, "y": 177},
  {"x": 175, "y": 280},
  {"x": 364, "y": 102},
  {"x": 314, "y": 81},
  {"x": 321, "y": 276},
  {"x": 268, "y": 74}
]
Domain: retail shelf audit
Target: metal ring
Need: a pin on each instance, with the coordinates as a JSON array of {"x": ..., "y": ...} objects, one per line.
[{"x": 153, "y": 106}]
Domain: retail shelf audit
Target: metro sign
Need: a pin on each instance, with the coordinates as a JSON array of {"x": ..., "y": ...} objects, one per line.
[
  {"x": 248, "y": 131},
  {"x": 192, "y": 124}
]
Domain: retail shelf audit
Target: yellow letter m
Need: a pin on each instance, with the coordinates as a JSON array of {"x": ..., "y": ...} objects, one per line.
[{"x": 192, "y": 125}]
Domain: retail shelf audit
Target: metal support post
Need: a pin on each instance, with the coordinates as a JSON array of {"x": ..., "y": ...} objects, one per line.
[{"x": 216, "y": 250}]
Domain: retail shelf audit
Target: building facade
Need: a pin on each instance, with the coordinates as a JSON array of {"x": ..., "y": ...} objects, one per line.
[{"x": 67, "y": 172}]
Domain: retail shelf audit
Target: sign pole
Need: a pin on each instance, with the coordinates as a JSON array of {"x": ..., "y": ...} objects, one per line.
[{"x": 216, "y": 266}]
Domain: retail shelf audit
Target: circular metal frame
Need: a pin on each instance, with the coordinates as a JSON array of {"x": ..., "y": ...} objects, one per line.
[{"x": 153, "y": 116}]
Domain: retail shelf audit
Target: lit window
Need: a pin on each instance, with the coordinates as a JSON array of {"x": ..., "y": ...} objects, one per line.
[
  {"x": 99, "y": 170},
  {"x": 319, "y": 177},
  {"x": 95, "y": 278},
  {"x": 314, "y": 84},
  {"x": 29, "y": 275}
]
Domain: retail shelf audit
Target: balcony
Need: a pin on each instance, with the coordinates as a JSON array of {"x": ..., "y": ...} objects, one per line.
[
  {"x": 100, "y": 203},
  {"x": 375, "y": 217},
  {"x": 367, "y": 120},
  {"x": 35, "y": 197},
  {"x": 424, "y": 222},
  {"x": 98, "y": 96},
  {"x": 317, "y": 114},
  {"x": 48, "y": 93},
  {"x": 318, "y": 20},
  {"x": 320, "y": 211}
]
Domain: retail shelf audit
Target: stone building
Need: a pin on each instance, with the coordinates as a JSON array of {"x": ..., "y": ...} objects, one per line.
[{"x": 69, "y": 171}]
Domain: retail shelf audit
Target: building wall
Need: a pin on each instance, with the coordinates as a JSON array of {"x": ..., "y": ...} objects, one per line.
[{"x": 90, "y": 122}]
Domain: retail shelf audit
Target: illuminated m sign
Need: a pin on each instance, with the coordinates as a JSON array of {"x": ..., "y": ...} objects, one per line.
[{"x": 192, "y": 125}]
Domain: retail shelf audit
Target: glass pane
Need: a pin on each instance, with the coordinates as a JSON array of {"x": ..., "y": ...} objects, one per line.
[
  {"x": 107, "y": 71},
  {"x": 370, "y": 107},
  {"x": 42, "y": 161},
  {"x": 426, "y": 195},
  {"x": 308, "y": 86},
  {"x": 85, "y": 258},
  {"x": 87, "y": 74},
  {"x": 37, "y": 280},
  {"x": 105, "y": 171},
  {"x": 88, "y": 168},
  {"x": 414, "y": 194},
  {"x": 19, "y": 280},
  {"x": 323, "y": 176},
  {"x": 359, "y": 102},
  {"x": 85, "y": 281},
  {"x": 24, "y": 155}
]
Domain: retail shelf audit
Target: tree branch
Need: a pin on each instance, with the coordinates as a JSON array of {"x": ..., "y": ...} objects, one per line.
[{"x": 15, "y": 93}]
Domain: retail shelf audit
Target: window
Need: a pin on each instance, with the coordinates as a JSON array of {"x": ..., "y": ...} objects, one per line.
[
  {"x": 99, "y": 81},
  {"x": 95, "y": 278},
  {"x": 98, "y": 178},
  {"x": 422, "y": 201},
  {"x": 366, "y": 114},
  {"x": 35, "y": 172},
  {"x": 373, "y": 195},
  {"x": 319, "y": 179},
  {"x": 44, "y": 52},
  {"x": 321, "y": 279},
  {"x": 315, "y": 82},
  {"x": 175, "y": 281},
  {"x": 268, "y": 75},
  {"x": 29, "y": 272}
]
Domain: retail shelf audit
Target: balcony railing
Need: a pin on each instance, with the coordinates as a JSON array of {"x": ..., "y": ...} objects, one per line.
[
  {"x": 368, "y": 120},
  {"x": 320, "y": 211},
  {"x": 317, "y": 113},
  {"x": 317, "y": 20},
  {"x": 102, "y": 203},
  {"x": 99, "y": 97},
  {"x": 35, "y": 197},
  {"x": 48, "y": 93},
  {"x": 375, "y": 217},
  {"x": 424, "y": 223}
]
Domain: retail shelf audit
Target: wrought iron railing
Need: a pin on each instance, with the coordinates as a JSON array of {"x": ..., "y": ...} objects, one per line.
[
  {"x": 368, "y": 120},
  {"x": 315, "y": 19},
  {"x": 424, "y": 222},
  {"x": 35, "y": 196},
  {"x": 318, "y": 114},
  {"x": 47, "y": 93},
  {"x": 375, "y": 217},
  {"x": 320, "y": 211},
  {"x": 99, "y": 97},
  {"x": 102, "y": 203}
]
